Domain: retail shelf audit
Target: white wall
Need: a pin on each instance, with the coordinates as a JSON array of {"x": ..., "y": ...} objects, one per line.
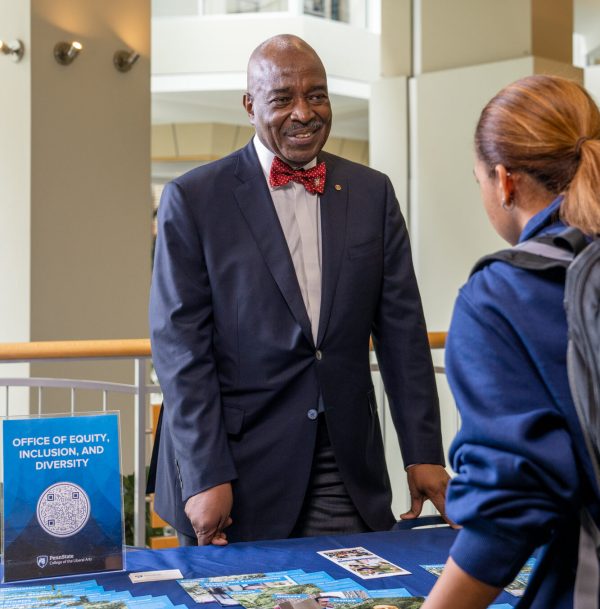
[
  {"x": 15, "y": 135},
  {"x": 449, "y": 228},
  {"x": 388, "y": 129}
]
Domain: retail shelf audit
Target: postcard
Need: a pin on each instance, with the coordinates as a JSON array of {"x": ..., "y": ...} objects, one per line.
[
  {"x": 342, "y": 554},
  {"x": 196, "y": 591},
  {"x": 363, "y": 563}
]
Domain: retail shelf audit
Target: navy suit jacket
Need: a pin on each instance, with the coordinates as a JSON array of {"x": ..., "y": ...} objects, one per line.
[{"x": 233, "y": 349}]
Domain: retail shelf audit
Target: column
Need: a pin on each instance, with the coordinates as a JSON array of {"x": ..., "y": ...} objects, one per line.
[{"x": 15, "y": 188}]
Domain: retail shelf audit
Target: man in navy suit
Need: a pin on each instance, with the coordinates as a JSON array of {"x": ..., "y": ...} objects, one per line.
[{"x": 274, "y": 266}]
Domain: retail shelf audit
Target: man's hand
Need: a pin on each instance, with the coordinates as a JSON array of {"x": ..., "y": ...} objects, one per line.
[
  {"x": 208, "y": 512},
  {"x": 426, "y": 482}
]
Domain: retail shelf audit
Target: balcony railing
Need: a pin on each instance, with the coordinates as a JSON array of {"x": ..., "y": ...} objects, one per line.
[{"x": 136, "y": 351}]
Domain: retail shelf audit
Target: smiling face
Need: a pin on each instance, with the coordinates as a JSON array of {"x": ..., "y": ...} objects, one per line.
[{"x": 287, "y": 100}]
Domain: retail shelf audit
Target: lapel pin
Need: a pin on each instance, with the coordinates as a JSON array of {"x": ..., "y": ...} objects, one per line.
[{"x": 338, "y": 187}]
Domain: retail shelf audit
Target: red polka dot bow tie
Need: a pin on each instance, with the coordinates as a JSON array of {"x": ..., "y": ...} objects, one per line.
[{"x": 312, "y": 179}]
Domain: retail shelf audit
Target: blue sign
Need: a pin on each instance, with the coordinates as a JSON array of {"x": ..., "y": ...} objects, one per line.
[{"x": 62, "y": 496}]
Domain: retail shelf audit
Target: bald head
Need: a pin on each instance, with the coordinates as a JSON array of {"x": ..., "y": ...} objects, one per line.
[
  {"x": 275, "y": 53},
  {"x": 287, "y": 100}
]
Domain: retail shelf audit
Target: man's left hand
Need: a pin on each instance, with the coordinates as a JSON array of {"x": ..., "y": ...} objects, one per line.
[{"x": 426, "y": 481}]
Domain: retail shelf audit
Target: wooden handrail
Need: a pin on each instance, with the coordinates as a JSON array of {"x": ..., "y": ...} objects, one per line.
[
  {"x": 437, "y": 340},
  {"x": 75, "y": 349},
  {"x": 82, "y": 349}
]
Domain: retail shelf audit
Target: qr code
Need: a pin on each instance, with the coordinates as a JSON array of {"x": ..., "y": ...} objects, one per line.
[{"x": 63, "y": 509}]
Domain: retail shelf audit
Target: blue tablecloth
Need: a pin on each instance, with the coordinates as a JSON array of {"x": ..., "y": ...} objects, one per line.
[{"x": 407, "y": 548}]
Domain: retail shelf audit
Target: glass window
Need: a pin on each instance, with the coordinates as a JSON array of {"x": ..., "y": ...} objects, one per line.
[
  {"x": 353, "y": 12},
  {"x": 346, "y": 11},
  {"x": 216, "y": 7}
]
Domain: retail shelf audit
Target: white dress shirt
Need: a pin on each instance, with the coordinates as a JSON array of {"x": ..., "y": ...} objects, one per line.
[{"x": 299, "y": 214}]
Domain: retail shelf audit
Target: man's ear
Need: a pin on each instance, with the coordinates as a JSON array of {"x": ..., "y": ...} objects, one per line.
[{"x": 247, "y": 102}]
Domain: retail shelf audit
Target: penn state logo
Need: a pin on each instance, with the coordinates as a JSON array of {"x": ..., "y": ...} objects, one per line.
[{"x": 42, "y": 561}]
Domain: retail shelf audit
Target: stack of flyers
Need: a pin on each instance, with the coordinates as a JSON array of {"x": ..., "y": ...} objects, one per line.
[
  {"x": 516, "y": 587},
  {"x": 296, "y": 588},
  {"x": 83, "y": 595},
  {"x": 211, "y": 589},
  {"x": 319, "y": 589}
]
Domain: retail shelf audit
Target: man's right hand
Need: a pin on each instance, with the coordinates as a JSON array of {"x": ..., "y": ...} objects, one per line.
[{"x": 208, "y": 512}]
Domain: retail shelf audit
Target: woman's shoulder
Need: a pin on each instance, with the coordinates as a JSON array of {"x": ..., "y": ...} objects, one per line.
[
  {"x": 500, "y": 284},
  {"x": 502, "y": 280},
  {"x": 504, "y": 301}
]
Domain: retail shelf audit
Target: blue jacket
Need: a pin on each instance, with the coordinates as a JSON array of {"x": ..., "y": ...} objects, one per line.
[{"x": 522, "y": 470}]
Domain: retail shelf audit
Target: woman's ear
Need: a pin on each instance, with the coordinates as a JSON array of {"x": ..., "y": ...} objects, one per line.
[{"x": 506, "y": 186}]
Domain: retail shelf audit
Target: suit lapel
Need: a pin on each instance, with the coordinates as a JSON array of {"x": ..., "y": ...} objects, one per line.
[
  {"x": 334, "y": 205},
  {"x": 256, "y": 204}
]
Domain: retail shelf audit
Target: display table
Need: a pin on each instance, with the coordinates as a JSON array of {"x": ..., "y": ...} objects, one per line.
[{"x": 407, "y": 548}]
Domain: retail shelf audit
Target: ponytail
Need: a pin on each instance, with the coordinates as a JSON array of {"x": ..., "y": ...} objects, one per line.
[{"x": 581, "y": 206}]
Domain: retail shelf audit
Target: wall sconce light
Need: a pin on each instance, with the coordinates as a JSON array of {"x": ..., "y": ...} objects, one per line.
[
  {"x": 124, "y": 60},
  {"x": 65, "y": 52},
  {"x": 15, "y": 49}
]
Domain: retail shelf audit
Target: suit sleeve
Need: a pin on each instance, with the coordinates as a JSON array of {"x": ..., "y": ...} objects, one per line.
[
  {"x": 181, "y": 331},
  {"x": 402, "y": 347}
]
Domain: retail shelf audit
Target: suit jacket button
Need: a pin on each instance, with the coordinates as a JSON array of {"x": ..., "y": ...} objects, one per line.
[
  {"x": 319, "y": 355},
  {"x": 312, "y": 414}
]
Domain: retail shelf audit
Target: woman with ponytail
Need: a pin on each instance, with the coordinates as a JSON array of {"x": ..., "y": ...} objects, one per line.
[{"x": 522, "y": 470}]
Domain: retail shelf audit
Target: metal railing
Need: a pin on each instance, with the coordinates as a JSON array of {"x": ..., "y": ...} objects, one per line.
[
  {"x": 393, "y": 457},
  {"x": 136, "y": 350},
  {"x": 139, "y": 353}
]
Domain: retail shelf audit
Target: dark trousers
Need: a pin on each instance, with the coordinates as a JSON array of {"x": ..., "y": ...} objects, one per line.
[{"x": 327, "y": 508}]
